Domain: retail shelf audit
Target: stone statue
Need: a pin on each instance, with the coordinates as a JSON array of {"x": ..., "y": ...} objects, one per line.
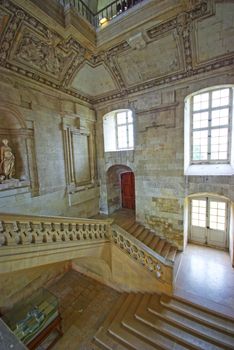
[{"x": 7, "y": 160}]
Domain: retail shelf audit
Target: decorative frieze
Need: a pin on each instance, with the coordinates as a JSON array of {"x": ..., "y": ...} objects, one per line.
[{"x": 44, "y": 56}]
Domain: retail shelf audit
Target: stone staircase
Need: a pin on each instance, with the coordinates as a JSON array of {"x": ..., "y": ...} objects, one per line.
[
  {"x": 158, "y": 244},
  {"x": 147, "y": 322}
]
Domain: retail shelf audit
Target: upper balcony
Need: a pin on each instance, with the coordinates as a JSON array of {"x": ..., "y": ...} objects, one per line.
[
  {"x": 99, "y": 29},
  {"x": 103, "y": 16}
]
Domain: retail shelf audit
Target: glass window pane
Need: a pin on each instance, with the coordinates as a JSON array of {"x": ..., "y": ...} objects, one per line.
[
  {"x": 217, "y": 215},
  {"x": 219, "y": 143},
  {"x": 130, "y": 135},
  {"x": 200, "y": 145},
  {"x": 122, "y": 136},
  {"x": 220, "y": 98},
  {"x": 199, "y": 213},
  {"x": 219, "y": 117},
  {"x": 130, "y": 119},
  {"x": 200, "y": 120},
  {"x": 121, "y": 118},
  {"x": 201, "y": 101}
]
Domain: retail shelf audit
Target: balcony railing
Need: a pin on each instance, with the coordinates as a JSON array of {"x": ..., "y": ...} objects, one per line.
[{"x": 106, "y": 14}]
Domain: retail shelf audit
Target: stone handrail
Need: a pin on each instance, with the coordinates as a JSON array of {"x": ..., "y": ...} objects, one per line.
[
  {"x": 30, "y": 235},
  {"x": 158, "y": 265},
  {"x": 24, "y": 229}
]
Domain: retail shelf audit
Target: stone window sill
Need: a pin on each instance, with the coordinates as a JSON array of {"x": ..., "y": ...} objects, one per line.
[{"x": 209, "y": 169}]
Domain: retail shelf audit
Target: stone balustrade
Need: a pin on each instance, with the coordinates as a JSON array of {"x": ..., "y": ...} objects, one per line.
[
  {"x": 35, "y": 240},
  {"x": 159, "y": 266},
  {"x": 22, "y": 230}
]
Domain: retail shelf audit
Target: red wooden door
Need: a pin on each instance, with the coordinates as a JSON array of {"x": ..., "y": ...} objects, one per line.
[{"x": 128, "y": 190}]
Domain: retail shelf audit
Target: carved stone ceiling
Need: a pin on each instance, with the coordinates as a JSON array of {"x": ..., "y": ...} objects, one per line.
[{"x": 194, "y": 42}]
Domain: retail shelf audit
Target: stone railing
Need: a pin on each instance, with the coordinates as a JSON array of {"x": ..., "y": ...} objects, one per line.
[
  {"x": 27, "y": 241},
  {"x": 115, "y": 8},
  {"x": 155, "y": 263},
  {"x": 23, "y": 230}
]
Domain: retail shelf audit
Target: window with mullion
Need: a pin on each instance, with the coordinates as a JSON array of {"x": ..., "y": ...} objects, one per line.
[
  {"x": 210, "y": 126},
  {"x": 124, "y": 126}
]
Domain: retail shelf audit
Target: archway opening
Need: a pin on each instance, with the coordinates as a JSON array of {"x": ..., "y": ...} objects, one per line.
[{"x": 120, "y": 188}]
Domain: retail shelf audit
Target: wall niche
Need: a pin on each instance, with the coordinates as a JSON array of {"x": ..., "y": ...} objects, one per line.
[{"x": 20, "y": 136}]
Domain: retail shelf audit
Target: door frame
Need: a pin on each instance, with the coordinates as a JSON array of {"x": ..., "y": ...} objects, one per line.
[
  {"x": 209, "y": 197},
  {"x": 120, "y": 179}
]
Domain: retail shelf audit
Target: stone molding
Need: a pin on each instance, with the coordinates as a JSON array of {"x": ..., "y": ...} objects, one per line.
[{"x": 22, "y": 30}]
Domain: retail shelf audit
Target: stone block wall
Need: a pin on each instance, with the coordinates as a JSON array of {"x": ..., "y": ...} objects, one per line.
[
  {"x": 19, "y": 285},
  {"x": 40, "y": 151},
  {"x": 158, "y": 157}
]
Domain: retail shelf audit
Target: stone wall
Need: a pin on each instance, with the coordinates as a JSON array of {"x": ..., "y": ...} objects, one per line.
[
  {"x": 41, "y": 120},
  {"x": 158, "y": 157},
  {"x": 19, "y": 285}
]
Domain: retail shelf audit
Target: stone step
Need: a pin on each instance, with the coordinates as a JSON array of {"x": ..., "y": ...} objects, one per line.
[
  {"x": 166, "y": 249},
  {"x": 103, "y": 337},
  {"x": 154, "y": 242},
  {"x": 107, "y": 342},
  {"x": 149, "y": 238},
  {"x": 138, "y": 231},
  {"x": 200, "y": 314},
  {"x": 172, "y": 253},
  {"x": 194, "y": 327},
  {"x": 143, "y": 235},
  {"x": 133, "y": 228},
  {"x": 115, "y": 310},
  {"x": 177, "y": 334},
  {"x": 119, "y": 332},
  {"x": 126, "y": 225},
  {"x": 159, "y": 246},
  {"x": 97, "y": 346},
  {"x": 150, "y": 336}
]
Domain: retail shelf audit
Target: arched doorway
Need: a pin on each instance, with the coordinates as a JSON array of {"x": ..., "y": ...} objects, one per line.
[
  {"x": 128, "y": 190},
  {"x": 120, "y": 188}
]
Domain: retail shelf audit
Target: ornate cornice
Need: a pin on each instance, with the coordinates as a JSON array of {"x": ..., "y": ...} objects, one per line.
[
  {"x": 30, "y": 49},
  {"x": 169, "y": 79}
]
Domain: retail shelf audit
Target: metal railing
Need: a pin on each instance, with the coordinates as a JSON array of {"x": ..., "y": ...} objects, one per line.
[
  {"x": 106, "y": 14},
  {"x": 114, "y": 9}
]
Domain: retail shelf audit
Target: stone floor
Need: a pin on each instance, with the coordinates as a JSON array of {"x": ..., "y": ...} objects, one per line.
[
  {"x": 206, "y": 276},
  {"x": 84, "y": 304}
]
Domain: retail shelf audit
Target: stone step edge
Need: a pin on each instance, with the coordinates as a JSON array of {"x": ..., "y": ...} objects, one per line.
[
  {"x": 214, "y": 325},
  {"x": 206, "y": 337},
  {"x": 200, "y": 307},
  {"x": 174, "y": 338}
]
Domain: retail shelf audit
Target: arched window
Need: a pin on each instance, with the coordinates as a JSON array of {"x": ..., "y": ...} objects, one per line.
[
  {"x": 118, "y": 130},
  {"x": 209, "y": 132}
]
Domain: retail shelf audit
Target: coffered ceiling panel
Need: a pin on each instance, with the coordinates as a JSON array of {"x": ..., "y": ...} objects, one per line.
[
  {"x": 158, "y": 58},
  {"x": 215, "y": 34},
  {"x": 93, "y": 81}
]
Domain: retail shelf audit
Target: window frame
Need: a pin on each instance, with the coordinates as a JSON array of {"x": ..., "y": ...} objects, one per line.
[
  {"x": 209, "y": 127},
  {"x": 111, "y": 133},
  {"x": 127, "y": 130}
]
